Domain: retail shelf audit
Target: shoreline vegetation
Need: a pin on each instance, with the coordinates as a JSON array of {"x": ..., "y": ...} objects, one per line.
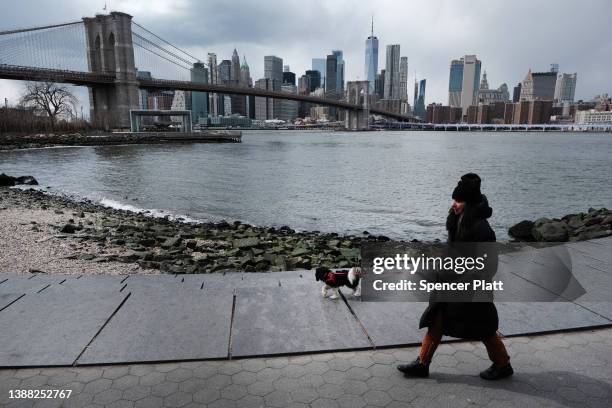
[{"x": 42, "y": 232}]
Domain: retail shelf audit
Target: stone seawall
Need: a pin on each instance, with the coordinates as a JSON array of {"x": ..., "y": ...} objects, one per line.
[{"x": 11, "y": 142}]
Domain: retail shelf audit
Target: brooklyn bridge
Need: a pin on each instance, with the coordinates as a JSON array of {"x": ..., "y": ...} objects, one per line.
[{"x": 105, "y": 52}]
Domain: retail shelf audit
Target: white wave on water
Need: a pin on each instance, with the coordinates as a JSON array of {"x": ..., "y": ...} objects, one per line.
[{"x": 107, "y": 202}]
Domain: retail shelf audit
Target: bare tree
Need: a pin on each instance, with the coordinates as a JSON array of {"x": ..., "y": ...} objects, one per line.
[{"x": 49, "y": 98}]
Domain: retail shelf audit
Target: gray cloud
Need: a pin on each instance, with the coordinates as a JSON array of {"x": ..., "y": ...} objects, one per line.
[{"x": 509, "y": 37}]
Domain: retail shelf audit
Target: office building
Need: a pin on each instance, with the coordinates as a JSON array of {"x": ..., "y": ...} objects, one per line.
[
  {"x": 288, "y": 110},
  {"x": 267, "y": 108},
  {"x": 516, "y": 93},
  {"x": 403, "y": 80},
  {"x": 538, "y": 86},
  {"x": 565, "y": 88},
  {"x": 288, "y": 76},
  {"x": 339, "y": 70},
  {"x": 455, "y": 82},
  {"x": 273, "y": 68},
  {"x": 392, "y": 72},
  {"x": 213, "y": 78},
  {"x": 371, "y": 59},
  {"x": 464, "y": 81},
  {"x": 419, "y": 104},
  {"x": 199, "y": 100},
  {"x": 320, "y": 64},
  {"x": 488, "y": 96}
]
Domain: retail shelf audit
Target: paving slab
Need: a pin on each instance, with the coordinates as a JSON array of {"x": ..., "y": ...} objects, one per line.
[
  {"x": 280, "y": 320},
  {"x": 165, "y": 323},
  {"x": 16, "y": 287},
  {"x": 534, "y": 317},
  {"x": 390, "y": 323},
  {"x": 54, "y": 326}
]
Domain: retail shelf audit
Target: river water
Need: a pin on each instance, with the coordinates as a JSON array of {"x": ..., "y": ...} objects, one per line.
[{"x": 397, "y": 184}]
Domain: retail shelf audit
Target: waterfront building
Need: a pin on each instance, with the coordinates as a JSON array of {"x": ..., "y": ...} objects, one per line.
[
  {"x": 565, "y": 88},
  {"x": 392, "y": 72},
  {"x": 594, "y": 117},
  {"x": 455, "y": 82},
  {"x": 143, "y": 93},
  {"x": 273, "y": 68},
  {"x": 371, "y": 59},
  {"x": 403, "y": 79},
  {"x": 464, "y": 80},
  {"x": 320, "y": 64},
  {"x": 180, "y": 101},
  {"x": 437, "y": 113},
  {"x": 538, "y": 86}
]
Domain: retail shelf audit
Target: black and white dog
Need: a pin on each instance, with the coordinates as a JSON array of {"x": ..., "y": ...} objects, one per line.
[{"x": 332, "y": 280}]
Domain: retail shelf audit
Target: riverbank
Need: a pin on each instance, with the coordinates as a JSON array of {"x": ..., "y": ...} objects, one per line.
[
  {"x": 43, "y": 232},
  {"x": 14, "y": 142}
]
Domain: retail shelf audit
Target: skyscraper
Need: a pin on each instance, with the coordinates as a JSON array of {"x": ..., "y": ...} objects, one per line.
[
  {"x": 565, "y": 87},
  {"x": 320, "y": 64},
  {"x": 392, "y": 74},
  {"x": 538, "y": 86},
  {"x": 464, "y": 82},
  {"x": 245, "y": 73},
  {"x": 331, "y": 74},
  {"x": 199, "y": 100},
  {"x": 213, "y": 78},
  {"x": 339, "y": 70},
  {"x": 371, "y": 59},
  {"x": 419, "y": 104},
  {"x": 273, "y": 68},
  {"x": 314, "y": 79},
  {"x": 288, "y": 76},
  {"x": 235, "y": 68},
  {"x": 403, "y": 80},
  {"x": 454, "y": 83},
  {"x": 224, "y": 101}
]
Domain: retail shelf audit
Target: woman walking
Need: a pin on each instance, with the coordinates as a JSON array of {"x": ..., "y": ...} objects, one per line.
[{"x": 466, "y": 222}]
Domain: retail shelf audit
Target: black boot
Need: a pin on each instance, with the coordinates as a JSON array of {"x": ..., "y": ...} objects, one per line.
[
  {"x": 496, "y": 372},
  {"x": 415, "y": 369}
]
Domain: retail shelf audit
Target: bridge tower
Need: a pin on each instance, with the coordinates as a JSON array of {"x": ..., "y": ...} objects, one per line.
[
  {"x": 357, "y": 93},
  {"x": 110, "y": 51}
]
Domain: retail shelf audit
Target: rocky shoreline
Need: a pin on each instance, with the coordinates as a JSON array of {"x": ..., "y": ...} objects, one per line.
[
  {"x": 570, "y": 228},
  {"x": 14, "y": 142},
  {"x": 41, "y": 232},
  {"x": 173, "y": 246}
]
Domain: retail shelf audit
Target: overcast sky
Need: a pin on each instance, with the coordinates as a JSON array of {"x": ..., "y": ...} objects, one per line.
[{"x": 509, "y": 37}]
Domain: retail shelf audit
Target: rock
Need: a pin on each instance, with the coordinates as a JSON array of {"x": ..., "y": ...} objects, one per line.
[
  {"x": 592, "y": 234},
  {"x": 246, "y": 242},
  {"x": 68, "y": 229},
  {"x": 171, "y": 242},
  {"x": 6, "y": 181},
  {"x": 522, "y": 231},
  {"x": 552, "y": 231},
  {"x": 27, "y": 180},
  {"x": 300, "y": 251}
]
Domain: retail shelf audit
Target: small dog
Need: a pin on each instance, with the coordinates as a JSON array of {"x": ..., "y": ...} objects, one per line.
[{"x": 332, "y": 280}]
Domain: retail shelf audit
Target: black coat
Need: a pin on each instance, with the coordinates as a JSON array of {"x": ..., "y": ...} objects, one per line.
[{"x": 472, "y": 320}]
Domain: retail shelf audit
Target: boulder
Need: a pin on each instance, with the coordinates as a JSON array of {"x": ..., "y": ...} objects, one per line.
[
  {"x": 522, "y": 231},
  {"x": 246, "y": 242},
  {"x": 28, "y": 180},
  {"x": 68, "y": 229},
  {"x": 6, "y": 181},
  {"x": 551, "y": 231}
]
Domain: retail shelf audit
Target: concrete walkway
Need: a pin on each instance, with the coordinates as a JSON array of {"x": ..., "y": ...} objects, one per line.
[
  {"x": 61, "y": 320},
  {"x": 571, "y": 369}
]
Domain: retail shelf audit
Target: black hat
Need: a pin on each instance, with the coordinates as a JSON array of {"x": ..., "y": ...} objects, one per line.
[{"x": 468, "y": 189}]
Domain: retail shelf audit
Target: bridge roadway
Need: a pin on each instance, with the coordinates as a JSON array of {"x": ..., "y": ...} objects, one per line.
[{"x": 83, "y": 78}]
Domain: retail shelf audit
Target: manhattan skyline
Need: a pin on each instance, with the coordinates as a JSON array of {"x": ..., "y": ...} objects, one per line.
[{"x": 430, "y": 34}]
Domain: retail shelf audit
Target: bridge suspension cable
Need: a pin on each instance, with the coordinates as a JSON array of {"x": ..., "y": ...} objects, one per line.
[
  {"x": 25, "y": 30},
  {"x": 167, "y": 42}
]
